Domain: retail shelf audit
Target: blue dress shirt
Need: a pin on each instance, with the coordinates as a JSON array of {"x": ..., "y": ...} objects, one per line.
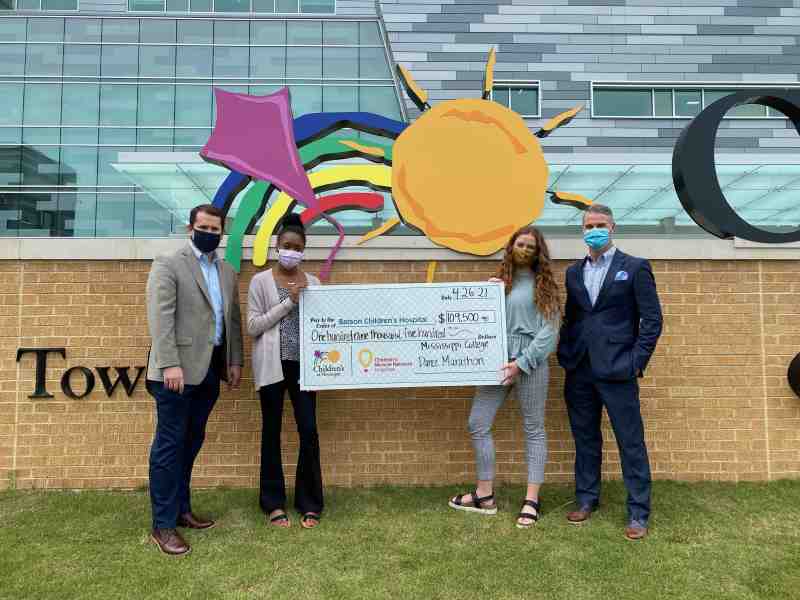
[
  {"x": 210, "y": 269},
  {"x": 594, "y": 272}
]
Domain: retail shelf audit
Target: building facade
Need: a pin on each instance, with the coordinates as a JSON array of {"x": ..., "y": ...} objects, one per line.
[{"x": 108, "y": 103}]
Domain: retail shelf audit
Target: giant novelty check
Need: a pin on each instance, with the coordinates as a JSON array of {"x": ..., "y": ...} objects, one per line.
[{"x": 407, "y": 335}]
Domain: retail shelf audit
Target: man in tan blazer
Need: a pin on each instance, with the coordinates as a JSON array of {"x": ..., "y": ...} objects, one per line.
[{"x": 195, "y": 324}]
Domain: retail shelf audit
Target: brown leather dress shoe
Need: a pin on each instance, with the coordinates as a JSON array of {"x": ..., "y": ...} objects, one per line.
[
  {"x": 169, "y": 541},
  {"x": 580, "y": 516},
  {"x": 635, "y": 533},
  {"x": 192, "y": 521}
]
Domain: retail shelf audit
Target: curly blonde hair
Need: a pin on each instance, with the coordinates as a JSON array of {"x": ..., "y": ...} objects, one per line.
[{"x": 546, "y": 295}]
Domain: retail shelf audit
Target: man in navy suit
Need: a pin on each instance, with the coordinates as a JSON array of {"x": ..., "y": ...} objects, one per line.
[{"x": 611, "y": 325}]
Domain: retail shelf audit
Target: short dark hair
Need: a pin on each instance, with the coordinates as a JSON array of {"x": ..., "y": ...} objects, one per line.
[
  {"x": 209, "y": 209},
  {"x": 601, "y": 209}
]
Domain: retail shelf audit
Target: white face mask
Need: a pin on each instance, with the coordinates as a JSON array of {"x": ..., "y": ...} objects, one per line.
[{"x": 289, "y": 259}]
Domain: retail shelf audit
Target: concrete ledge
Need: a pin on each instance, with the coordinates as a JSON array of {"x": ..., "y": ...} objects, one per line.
[{"x": 415, "y": 248}]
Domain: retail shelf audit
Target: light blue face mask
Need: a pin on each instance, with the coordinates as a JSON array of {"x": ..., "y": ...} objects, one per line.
[{"x": 596, "y": 238}]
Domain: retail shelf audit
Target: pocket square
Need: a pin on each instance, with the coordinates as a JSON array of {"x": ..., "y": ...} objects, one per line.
[{"x": 621, "y": 276}]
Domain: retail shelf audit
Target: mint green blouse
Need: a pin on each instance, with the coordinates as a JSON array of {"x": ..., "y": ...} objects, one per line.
[{"x": 531, "y": 337}]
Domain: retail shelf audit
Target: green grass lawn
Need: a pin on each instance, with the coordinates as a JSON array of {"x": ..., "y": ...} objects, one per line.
[{"x": 706, "y": 541}]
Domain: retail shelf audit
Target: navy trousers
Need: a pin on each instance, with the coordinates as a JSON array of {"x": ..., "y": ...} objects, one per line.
[
  {"x": 586, "y": 396},
  {"x": 180, "y": 432}
]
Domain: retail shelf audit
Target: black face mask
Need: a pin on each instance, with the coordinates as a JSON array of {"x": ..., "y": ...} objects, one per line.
[{"x": 205, "y": 241}]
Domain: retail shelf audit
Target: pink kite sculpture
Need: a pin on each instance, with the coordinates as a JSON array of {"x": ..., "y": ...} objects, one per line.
[{"x": 254, "y": 135}]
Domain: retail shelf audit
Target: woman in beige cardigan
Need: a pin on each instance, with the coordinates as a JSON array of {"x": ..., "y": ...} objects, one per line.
[{"x": 273, "y": 320}]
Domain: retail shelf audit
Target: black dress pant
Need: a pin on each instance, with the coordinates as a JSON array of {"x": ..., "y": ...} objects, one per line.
[{"x": 308, "y": 480}]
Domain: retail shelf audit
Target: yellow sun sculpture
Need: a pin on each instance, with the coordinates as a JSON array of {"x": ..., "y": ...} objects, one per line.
[{"x": 468, "y": 172}]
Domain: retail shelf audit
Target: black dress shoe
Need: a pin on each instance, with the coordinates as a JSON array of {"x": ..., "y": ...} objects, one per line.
[
  {"x": 170, "y": 542},
  {"x": 192, "y": 521}
]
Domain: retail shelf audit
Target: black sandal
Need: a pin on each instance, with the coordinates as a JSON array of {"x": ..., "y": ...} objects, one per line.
[
  {"x": 476, "y": 504},
  {"x": 308, "y": 517},
  {"x": 529, "y": 516}
]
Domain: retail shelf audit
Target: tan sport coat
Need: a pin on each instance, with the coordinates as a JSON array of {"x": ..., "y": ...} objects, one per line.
[{"x": 181, "y": 318}]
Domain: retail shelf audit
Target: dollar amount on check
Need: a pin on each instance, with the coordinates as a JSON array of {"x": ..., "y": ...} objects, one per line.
[{"x": 408, "y": 335}]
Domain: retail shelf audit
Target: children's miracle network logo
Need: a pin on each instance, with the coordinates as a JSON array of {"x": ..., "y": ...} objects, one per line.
[{"x": 328, "y": 364}]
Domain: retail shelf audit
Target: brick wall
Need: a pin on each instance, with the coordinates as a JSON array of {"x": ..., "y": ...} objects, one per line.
[{"x": 715, "y": 399}]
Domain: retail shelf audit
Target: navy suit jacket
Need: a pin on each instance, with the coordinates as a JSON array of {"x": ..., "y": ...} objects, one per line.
[{"x": 621, "y": 330}]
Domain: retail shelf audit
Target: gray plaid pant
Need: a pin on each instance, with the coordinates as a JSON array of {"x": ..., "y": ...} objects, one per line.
[{"x": 531, "y": 394}]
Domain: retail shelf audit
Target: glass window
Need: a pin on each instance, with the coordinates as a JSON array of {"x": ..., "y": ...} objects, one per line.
[
  {"x": 156, "y": 61},
  {"x": 29, "y": 4},
  {"x": 12, "y": 59},
  {"x": 746, "y": 110},
  {"x": 340, "y": 63},
  {"x": 687, "y": 103},
  {"x": 230, "y": 61},
  {"x": 369, "y": 35},
  {"x": 121, "y": 30},
  {"x": 500, "y": 95},
  {"x": 286, "y": 6},
  {"x": 119, "y": 61},
  {"x": 232, "y": 6},
  {"x": 157, "y": 31},
  {"x": 303, "y": 62},
  {"x": 6, "y": 4},
  {"x": 82, "y": 59},
  {"x": 81, "y": 104},
  {"x": 59, "y": 4},
  {"x": 79, "y": 135},
  {"x": 40, "y": 135},
  {"x": 146, "y": 5},
  {"x": 40, "y": 165},
  {"x": 154, "y": 137},
  {"x": 117, "y": 104},
  {"x": 317, "y": 6},
  {"x": 623, "y": 103},
  {"x": 82, "y": 30},
  {"x": 12, "y": 30},
  {"x": 372, "y": 64},
  {"x": 79, "y": 165},
  {"x": 118, "y": 136},
  {"x": 303, "y": 32},
  {"x": 195, "y": 31},
  {"x": 156, "y": 105},
  {"x": 267, "y": 62},
  {"x": 200, "y": 5},
  {"x": 192, "y": 137},
  {"x": 115, "y": 212},
  {"x": 194, "y": 61},
  {"x": 524, "y": 100},
  {"x": 10, "y": 166},
  {"x": 231, "y": 32},
  {"x": 150, "y": 218},
  {"x": 305, "y": 99},
  {"x": 84, "y": 208},
  {"x": 379, "y": 100},
  {"x": 263, "y": 90},
  {"x": 44, "y": 59},
  {"x": 263, "y": 6},
  {"x": 267, "y": 32},
  {"x": 345, "y": 33},
  {"x": 192, "y": 106},
  {"x": 45, "y": 30},
  {"x": 42, "y": 104},
  {"x": 340, "y": 98},
  {"x": 11, "y": 93},
  {"x": 177, "y": 5},
  {"x": 662, "y": 100}
]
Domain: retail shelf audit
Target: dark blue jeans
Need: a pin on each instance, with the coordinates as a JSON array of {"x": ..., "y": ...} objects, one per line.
[
  {"x": 586, "y": 396},
  {"x": 180, "y": 432}
]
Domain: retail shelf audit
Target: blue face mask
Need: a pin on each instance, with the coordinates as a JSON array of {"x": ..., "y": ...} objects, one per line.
[{"x": 596, "y": 238}]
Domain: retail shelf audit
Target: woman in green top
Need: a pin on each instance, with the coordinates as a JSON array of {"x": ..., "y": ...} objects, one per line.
[{"x": 533, "y": 312}]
